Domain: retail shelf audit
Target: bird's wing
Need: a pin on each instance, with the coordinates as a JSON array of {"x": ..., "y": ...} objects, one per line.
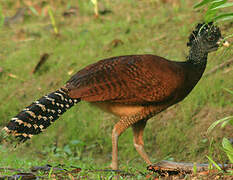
[{"x": 138, "y": 79}]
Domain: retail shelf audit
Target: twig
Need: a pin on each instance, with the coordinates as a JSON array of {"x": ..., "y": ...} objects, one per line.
[
  {"x": 10, "y": 169},
  {"x": 172, "y": 168},
  {"x": 220, "y": 66}
]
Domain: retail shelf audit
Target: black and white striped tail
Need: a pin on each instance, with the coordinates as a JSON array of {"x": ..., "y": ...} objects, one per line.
[{"x": 39, "y": 115}]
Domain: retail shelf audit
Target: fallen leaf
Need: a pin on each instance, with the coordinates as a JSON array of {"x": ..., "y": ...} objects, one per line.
[{"x": 42, "y": 60}]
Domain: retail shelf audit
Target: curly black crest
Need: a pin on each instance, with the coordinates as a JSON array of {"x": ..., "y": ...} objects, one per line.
[{"x": 203, "y": 30}]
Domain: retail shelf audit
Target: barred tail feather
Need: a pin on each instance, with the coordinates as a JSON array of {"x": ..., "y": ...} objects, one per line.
[{"x": 39, "y": 115}]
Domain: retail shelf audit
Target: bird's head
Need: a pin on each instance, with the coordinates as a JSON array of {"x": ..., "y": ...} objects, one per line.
[{"x": 206, "y": 37}]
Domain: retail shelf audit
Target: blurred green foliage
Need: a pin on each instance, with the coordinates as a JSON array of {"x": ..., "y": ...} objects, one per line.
[{"x": 213, "y": 12}]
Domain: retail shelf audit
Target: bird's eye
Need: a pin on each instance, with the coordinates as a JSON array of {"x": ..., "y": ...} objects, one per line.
[{"x": 211, "y": 38}]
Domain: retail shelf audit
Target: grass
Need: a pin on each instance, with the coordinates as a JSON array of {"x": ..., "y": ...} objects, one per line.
[{"x": 179, "y": 133}]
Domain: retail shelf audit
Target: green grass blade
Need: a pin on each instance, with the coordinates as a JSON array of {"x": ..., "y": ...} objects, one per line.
[
  {"x": 227, "y": 145},
  {"x": 214, "y": 1},
  {"x": 225, "y": 123},
  {"x": 33, "y": 10},
  {"x": 227, "y": 37},
  {"x": 213, "y": 10},
  {"x": 224, "y": 5},
  {"x": 195, "y": 168},
  {"x": 214, "y": 163},
  {"x": 50, "y": 172},
  {"x": 228, "y": 90},
  {"x": 210, "y": 15},
  {"x": 218, "y": 122},
  {"x": 52, "y": 20},
  {"x": 228, "y": 148},
  {"x": 224, "y": 17},
  {"x": 202, "y": 3},
  {"x": 216, "y": 4}
]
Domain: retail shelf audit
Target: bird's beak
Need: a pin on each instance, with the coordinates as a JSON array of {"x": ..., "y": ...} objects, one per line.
[
  {"x": 222, "y": 42},
  {"x": 226, "y": 43}
]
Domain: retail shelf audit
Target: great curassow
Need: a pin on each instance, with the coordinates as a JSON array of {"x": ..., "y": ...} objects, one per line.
[{"x": 133, "y": 87}]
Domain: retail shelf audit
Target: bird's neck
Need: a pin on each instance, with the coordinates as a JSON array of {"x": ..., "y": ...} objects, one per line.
[
  {"x": 195, "y": 67},
  {"x": 197, "y": 58}
]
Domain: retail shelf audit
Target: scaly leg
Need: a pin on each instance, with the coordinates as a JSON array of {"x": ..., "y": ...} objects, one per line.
[
  {"x": 138, "y": 129},
  {"x": 115, "y": 134},
  {"x": 118, "y": 129}
]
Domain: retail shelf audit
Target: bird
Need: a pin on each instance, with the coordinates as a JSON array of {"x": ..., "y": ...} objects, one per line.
[{"x": 133, "y": 87}]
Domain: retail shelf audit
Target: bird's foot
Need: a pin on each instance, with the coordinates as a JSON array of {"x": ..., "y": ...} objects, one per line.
[{"x": 114, "y": 166}]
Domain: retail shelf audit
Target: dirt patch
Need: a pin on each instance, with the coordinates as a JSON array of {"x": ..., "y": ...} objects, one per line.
[{"x": 206, "y": 117}]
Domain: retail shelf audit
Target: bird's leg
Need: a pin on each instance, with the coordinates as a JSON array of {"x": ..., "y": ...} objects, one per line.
[
  {"x": 138, "y": 129},
  {"x": 115, "y": 135},
  {"x": 118, "y": 129}
]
